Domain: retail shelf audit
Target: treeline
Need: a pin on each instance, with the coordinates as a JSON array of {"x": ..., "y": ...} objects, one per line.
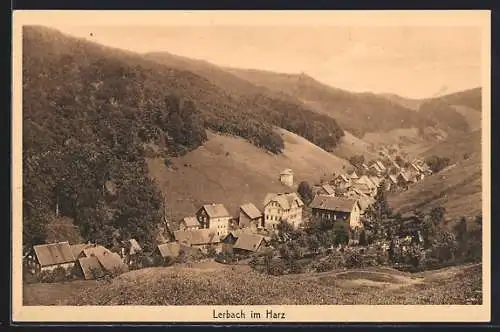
[{"x": 320, "y": 129}]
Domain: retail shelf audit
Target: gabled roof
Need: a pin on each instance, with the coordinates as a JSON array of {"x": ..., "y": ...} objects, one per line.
[
  {"x": 405, "y": 176},
  {"x": 380, "y": 165},
  {"x": 393, "y": 178},
  {"x": 375, "y": 180},
  {"x": 216, "y": 210},
  {"x": 91, "y": 268},
  {"x": 362, "y": 186},
  {"x": 249, "y": 242},
  {"x": 54, "y": 253},
  {"x": 333, "y": 203},
  {"x": 77, "y": 249},
  {"x": 251, "y": 211},
  {"x": 170, "y": 249},
  {"x": 134, "y": 246},
  {"x": 96, "y": 250},
  {"x": 111, "y": 262},
  {"x": 353, "y": 175},
  {"x": 196, "y": 236},
  {"x": 191, "y": 222},
  {"x": 343, "y": 177},
  {"x": 284, "y": 200},
  {"x": 328, "y": 189},
  {"x": 366, "y": 180}
]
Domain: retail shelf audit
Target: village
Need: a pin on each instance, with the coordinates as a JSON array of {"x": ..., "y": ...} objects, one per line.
[{"x": 213, "y": 232}]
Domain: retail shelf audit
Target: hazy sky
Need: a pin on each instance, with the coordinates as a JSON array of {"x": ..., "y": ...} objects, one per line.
[{"x": 410, "y": 61}]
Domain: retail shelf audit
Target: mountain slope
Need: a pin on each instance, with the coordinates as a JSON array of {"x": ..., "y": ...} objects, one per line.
[
  {"x": 457, "y": 147},
  {"x": 458, "y": 187},
  {"x": 231, "y": 171},
  {"x": 357, "y": 113},
  {"x": 459, "y": 112}
]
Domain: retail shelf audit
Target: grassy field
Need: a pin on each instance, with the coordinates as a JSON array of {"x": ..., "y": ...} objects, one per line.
[
  {"x": 229, "y": 170},
  {"x": 213, "y": 284}
]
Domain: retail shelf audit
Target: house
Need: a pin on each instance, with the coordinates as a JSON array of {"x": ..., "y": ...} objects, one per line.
[
  {"x": 334, "y": 209},
  {"x": 129, "y": 249},
  {"x": 403, "y": 179},
  {"x": 249, "y": 243},
  {"x": 214, "y": 217},
  {"x": 353, "y": 176},
  {"x": 324, "y": 189},
  {"x": 363, "y": 188},
  {"x": 250, "y": 217},
  {"x": 342, "y": 181},
  {"x": 243, "y": 242},
  {"x": 375, "y": 180},
  {"x": 91, "y": 268},
  {"x": 189, "y": 223},
  {"x": 378, "y": 167},
  {"x": 47, "y": 257},
  {"x": 282, "y": 207},
  {"x": 286, "y": 177},
  {"x": 77, "y": 249},
  {"x": 201, "y": 239},
  {"x": 111, "y": 262},
  {"x": 367, "y": 185},
  {"x": 169, "y": 249}
]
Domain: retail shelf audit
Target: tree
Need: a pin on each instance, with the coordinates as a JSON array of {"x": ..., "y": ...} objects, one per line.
[
  {"x": 377, "y": 214},
  {"x": 437, "y": 163},
  {"x": 305, "y": 192}
]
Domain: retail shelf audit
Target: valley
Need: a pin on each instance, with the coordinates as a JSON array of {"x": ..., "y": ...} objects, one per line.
[{"x": 240, "y": 186}]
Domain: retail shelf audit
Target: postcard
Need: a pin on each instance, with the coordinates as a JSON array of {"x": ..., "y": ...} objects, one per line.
[{"x": 251, "y": 166}]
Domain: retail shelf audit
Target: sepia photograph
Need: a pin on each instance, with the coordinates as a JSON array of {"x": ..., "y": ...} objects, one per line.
[{"x": 254, "y": 166}]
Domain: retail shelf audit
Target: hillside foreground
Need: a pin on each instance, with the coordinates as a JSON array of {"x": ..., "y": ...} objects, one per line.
[{"x": 211, "y": 283}]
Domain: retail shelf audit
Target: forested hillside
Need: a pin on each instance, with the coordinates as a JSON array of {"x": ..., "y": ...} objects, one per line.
[
  {"x": 90, "y": 112},
  {"x": 358, "y": 113}
]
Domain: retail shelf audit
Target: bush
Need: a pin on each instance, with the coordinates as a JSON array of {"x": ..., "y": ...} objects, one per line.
[
  {"x": 353, "y": 259},
  {"x": 276, "y": 268},
  {"x": 59, "y": 274},
  {"x": 296, "y": 267},
  {"x": 46, "y": 277}
]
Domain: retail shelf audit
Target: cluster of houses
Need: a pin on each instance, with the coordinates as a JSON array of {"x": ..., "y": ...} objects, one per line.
[
  {"x": 212, "y": 227},
  {"x": 395, "y": 177}
]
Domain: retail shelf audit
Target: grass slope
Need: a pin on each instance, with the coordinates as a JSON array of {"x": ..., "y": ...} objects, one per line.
[
  {"x": 239, "y": 285},
  {"x": 229, "y": 170},
  {"x": 458, "y": 189},
  {"x": 455, "y": 147}
]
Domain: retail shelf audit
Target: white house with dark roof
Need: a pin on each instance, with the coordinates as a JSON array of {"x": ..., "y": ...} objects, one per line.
[
  {"x": 47, "y": 257},
  {"x": 282, "y": 207},
  {"x": 250, "y": 217},
  {"x": 215, "y": 217}
]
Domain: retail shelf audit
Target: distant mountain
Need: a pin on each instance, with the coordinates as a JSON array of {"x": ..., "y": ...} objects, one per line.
[
  {"x": 459, "y": 112},
  {"x": 410, "y": 103},
  {"x": 357, "y": 113}
]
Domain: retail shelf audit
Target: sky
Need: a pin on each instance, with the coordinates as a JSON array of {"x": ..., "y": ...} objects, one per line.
[{"x": 414, "y": 62}]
